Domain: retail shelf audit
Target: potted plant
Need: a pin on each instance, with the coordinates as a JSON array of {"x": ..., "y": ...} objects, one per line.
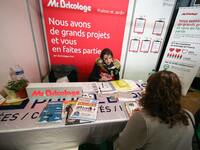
[{"x": 18, "y": 87}]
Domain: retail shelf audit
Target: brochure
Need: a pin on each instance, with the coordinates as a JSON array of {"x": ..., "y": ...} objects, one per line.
[
  {"x": 106, "y": 87},
  {"x": 51, "y": 113},
  {"x": 68, "y": 107},
  {"x": 85, "y": 110},
  {"x": 125, "y": 85}
]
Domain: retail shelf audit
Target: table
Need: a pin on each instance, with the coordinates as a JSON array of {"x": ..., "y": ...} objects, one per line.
[{"x": 20, "y": 129}]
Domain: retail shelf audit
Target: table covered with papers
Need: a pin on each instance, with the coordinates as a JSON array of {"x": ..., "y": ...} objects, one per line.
[{"x": 45, "y": 123}]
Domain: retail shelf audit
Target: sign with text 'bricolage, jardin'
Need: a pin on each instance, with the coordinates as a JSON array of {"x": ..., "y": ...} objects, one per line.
[{"x": 52, "y": 90}]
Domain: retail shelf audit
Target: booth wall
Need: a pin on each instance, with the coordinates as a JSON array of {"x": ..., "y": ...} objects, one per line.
[{"x": 21, "y": 40}]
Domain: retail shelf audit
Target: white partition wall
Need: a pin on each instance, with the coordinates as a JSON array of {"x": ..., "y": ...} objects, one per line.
[
  {"x": 149, "y": 27},
  {"x": 21, "y": 40}
]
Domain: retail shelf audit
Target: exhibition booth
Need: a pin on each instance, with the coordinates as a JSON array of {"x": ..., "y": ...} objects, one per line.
[{"x": 46, "y": 99}]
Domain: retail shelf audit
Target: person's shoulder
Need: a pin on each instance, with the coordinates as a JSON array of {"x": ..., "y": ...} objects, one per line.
[{"x": 144, "y": 115}]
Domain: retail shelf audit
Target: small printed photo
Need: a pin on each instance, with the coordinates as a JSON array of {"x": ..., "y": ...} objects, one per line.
[{"x": 77, "y": 113}]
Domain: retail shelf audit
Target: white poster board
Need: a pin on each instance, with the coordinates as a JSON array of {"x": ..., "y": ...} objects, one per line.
[
  {"x": 150, "y": 24},
  {"x": 182, "y": 54}
]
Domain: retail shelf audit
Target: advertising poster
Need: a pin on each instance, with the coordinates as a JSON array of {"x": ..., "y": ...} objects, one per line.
[
  {"x": 149, "y": 27},
  {"x": 77, "y": 31},
  {"x": 182, "y": 54}
]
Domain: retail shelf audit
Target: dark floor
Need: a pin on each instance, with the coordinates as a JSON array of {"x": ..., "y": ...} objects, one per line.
[{"x": 191, "y": 101}]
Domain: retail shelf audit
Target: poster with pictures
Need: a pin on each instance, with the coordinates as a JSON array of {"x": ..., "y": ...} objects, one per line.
[
  {"x": 134, "y": 45},
  {"x": 156, "y": 45},
  {"x": 149, "y": 27},
  {"x": 139, "y": 25},
  {"x": 158, "y": 27}
]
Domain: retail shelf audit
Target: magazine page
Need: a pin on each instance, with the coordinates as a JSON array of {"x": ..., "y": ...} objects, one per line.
[
  {"x": 88, "y": 87},
  {"x": 51, "y": 113},
  {"x": 68, "y": 107},
  {"x": 105, "y": 87},
  {"x": 85, "y": 110}
]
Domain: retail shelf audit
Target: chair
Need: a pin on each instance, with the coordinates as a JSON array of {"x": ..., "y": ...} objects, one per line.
[
  {"x": 59, "y": 71},
  {"x": 105, "y": 145}
]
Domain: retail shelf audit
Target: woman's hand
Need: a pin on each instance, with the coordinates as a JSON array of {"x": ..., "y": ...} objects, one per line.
[{"x": 105, "y": 77}]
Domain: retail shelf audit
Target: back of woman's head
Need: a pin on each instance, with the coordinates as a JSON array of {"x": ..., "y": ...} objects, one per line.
[{"x": 162, "y": 98}]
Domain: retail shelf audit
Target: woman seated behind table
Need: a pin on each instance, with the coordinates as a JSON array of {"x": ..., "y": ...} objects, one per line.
[
  {"x": 162, "y": 124},
  {"x": 106, "y": 68}
]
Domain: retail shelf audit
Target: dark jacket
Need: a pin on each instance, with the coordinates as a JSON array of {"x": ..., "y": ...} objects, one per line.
[{"x": 101, "y": 67}]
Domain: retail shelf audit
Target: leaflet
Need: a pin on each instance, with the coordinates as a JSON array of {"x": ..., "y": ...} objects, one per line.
[{"x": 85, "y": 110}]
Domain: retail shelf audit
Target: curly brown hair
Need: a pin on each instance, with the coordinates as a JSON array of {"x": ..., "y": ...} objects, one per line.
[{"x": 162, "y": 98}]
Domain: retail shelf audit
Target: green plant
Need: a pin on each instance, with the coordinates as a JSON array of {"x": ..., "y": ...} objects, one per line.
[{"x": 17, "y": 85}]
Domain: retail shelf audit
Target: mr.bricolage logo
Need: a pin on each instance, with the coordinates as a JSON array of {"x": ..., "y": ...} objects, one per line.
[{"x": 48, "y": 92}]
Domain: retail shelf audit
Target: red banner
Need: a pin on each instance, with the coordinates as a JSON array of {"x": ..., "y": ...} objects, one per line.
[{"x": 77, "y": 31}]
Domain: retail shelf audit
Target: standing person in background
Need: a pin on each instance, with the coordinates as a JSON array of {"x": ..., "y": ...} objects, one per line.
[
  {"x": 106, "y": 68},
  {"x": 162, "y": 124}
]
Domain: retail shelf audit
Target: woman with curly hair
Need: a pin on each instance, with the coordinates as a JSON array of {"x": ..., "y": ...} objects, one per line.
[{"x": 162, "y": 124}]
